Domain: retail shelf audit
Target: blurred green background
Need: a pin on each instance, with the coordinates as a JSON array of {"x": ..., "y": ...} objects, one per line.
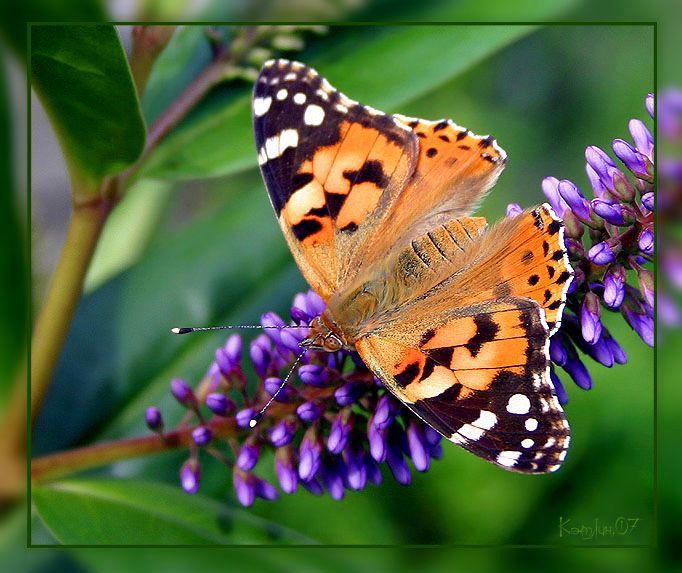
[{"x": 181, "y": 248}]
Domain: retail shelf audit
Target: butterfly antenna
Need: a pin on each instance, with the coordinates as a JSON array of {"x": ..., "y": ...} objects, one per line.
[
  {"x": 257, "y": 417},
  {"x": 186, "y": 329}
]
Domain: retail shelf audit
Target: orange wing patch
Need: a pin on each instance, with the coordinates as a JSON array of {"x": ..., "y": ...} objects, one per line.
[
  {"x": 481, "y": 380},
  {"x": 539, "y": 268}
]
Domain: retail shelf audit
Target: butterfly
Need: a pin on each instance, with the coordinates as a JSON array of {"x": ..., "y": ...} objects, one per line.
[{"x": 452, "y": 316}]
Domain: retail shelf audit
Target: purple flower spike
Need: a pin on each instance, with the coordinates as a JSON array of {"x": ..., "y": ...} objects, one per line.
[
  {"x": 220, "y": 404},
  {"x": 190, "y": 476},
  {"x": 601, "y": 254},
  {"x": 590, "y": 322},
  {"x": 644, "y": 141},
  {"x": 614, "y": 286},
  {"x": 244, "y": 487},
  {"x": 202, "y": 435},
  {"x": 385, "y": 412},
  {"x": 314, "y": 375},
  {"x": 183, "y": 393},
  {"x": 310, "y": 411},
  {"x": 284, "y": 468},
  {"x": 575, "y": 200},
  {"x": 649, "y": 104},
  {"x": 248, "y": 457},
  {"x": 561, "y": 393},
  {"x": 610, "y": 212},
  {"x": 154, "y": 419},
  {"x": 514, "y": 209},
  {"x": 418, "y": 447},
  {"x": 632, "y": 159},
  {"x": 432, "y": 437},
  {"x": 282, "y": 432},
  {"x": 649, "y": 201},
  {"x": 244, "y": 417},
  {"x": 309, "y": 455},
  {"x": 340, "y": 431},
  {"x": 550, "y": 187},
  {"x": 646, "y": 241},
  {"x": 348, "y": 393}
]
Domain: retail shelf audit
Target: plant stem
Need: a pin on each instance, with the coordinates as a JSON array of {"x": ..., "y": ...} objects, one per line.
[
  {"x": 53, "y": 466},
  {"x": 52, "y": 325}
]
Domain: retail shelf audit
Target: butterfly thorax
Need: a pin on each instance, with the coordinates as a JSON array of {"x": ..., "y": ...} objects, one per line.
[{"x": 325, "y": 335}]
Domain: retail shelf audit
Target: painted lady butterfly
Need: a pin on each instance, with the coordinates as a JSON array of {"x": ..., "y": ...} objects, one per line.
[{"x": 454, "y": 319}]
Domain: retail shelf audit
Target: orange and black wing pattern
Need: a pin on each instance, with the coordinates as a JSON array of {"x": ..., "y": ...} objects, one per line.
[
  {"x": 482, "y": 380},
  {"x": 332, "y": 167}
]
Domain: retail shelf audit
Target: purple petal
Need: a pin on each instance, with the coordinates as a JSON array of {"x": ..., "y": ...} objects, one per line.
[
  {"x": 244, "y": 487},
  {"x": 646, "y": 241},
  {"x": 632, "y": 158},
  {"x": 550, "y": 187},
  {"x": 201, "y": 435},
  {"x": 309, "y": 411},
  {"x": 649, "y": 104},
  {"x": 286, "y": 474},
  {"x": 610, "y": 212},
  {"x": 644, "y": 141},
  {"x": 601, "y": 254},
  {"x": 590, "y": 323},
  {"x": 182, "y": 392},
  {"x": 649, "y": 201},
  {"x": 561, "y": 393},
  {"x": 248, "y": 457},
  {"x": 417, "y": 446},
  {"x": 265, "y": 490},
  {"x": 514, "y": 209},
  {"x": 575, "y": 199},
  {"x": 220, "y": 404},
  {"x": 190, "y": 476},
  {"x": 244, "y": 417},
  {"x": 154, "y": 418},
  {"x": 614, "y": 286}
]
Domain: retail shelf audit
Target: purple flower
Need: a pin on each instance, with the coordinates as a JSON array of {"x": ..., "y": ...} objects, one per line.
[
  {"x": 646, "y": 241},
  {"x": 285, "y": 470},
  {"x": 514, "y": 209},
  {"x": 590, "y": 321},
  {"x": 610, "y": 212},
  {"x": 614, "y": 286},
  {"x": 348, "y": 393},
  {"x": 418, "y": 446},
  {"x": 201, "y": 435},
  {"x": 602, "y": 254},
  {"x": 248, "y": 457},
  {"x": 190, "y": 476},
  {"x": 632, "y": 158},
  {"x": 244, "y": 487},
  {"x": 282, "y": 432},
  {"x": 644, "y": 141},
  {"x": 154, "y": 419},
  {"x": 183, "y": 393},
  {"x": 310, "y": 411},
  {"x": 314, "y": 375},
  {"x": 340, "y": 431},
  {"x": 220, "y": 404},
  {"x": 550, "y": 187},
  {"x": 356, "y": 468},
  {"x": 309, "y": 454},
  {"x": 244, "y": 417},
  {"x": 575, "y": 200},
  {"x": 649, "y": 201}
]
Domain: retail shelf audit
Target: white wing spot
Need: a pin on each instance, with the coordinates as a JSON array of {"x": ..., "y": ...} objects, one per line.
[
  {"x": 299, "y": 98},
  {"x": 550, "y": 442},
  {"x": 341, "y": 108},
  {"x": 274, "y": 81},
  {"x": 314, "y": 115},
  {"x": 261, "y": 105},
  {"x": 272, "y": 147},
  {"x": 289, "y": 77},
  {"x": 323, "y": 95},
  {"x": 287, "y": 138},
  {"x": 527, "y": 443},
  {"x": 282, "y": 94},
  {"x": 471, "y": 432},
  {"x": 486, "y": 420},
  {"x": 508, "y": 458},
  {"x": 531, "y": 424},
  {"x": 518, "y": 404}
]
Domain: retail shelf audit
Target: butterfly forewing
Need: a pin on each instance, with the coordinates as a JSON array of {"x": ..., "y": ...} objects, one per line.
[{"x": 332, "y": 167}]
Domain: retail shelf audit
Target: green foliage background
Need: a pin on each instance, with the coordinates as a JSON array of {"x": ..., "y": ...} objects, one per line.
[{"x": 215, "y": 255}]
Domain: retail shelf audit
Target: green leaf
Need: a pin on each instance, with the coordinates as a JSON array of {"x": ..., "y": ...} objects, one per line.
[
  {"x": 374, "y": 64},
  {"x": 82, "y": 77},
  {"x": 127, "y": 512}
]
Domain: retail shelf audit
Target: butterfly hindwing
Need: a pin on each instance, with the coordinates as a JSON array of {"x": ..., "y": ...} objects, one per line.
[
  {"x": 481, "y": 378},
  {"x": 332, "y": 167}
]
